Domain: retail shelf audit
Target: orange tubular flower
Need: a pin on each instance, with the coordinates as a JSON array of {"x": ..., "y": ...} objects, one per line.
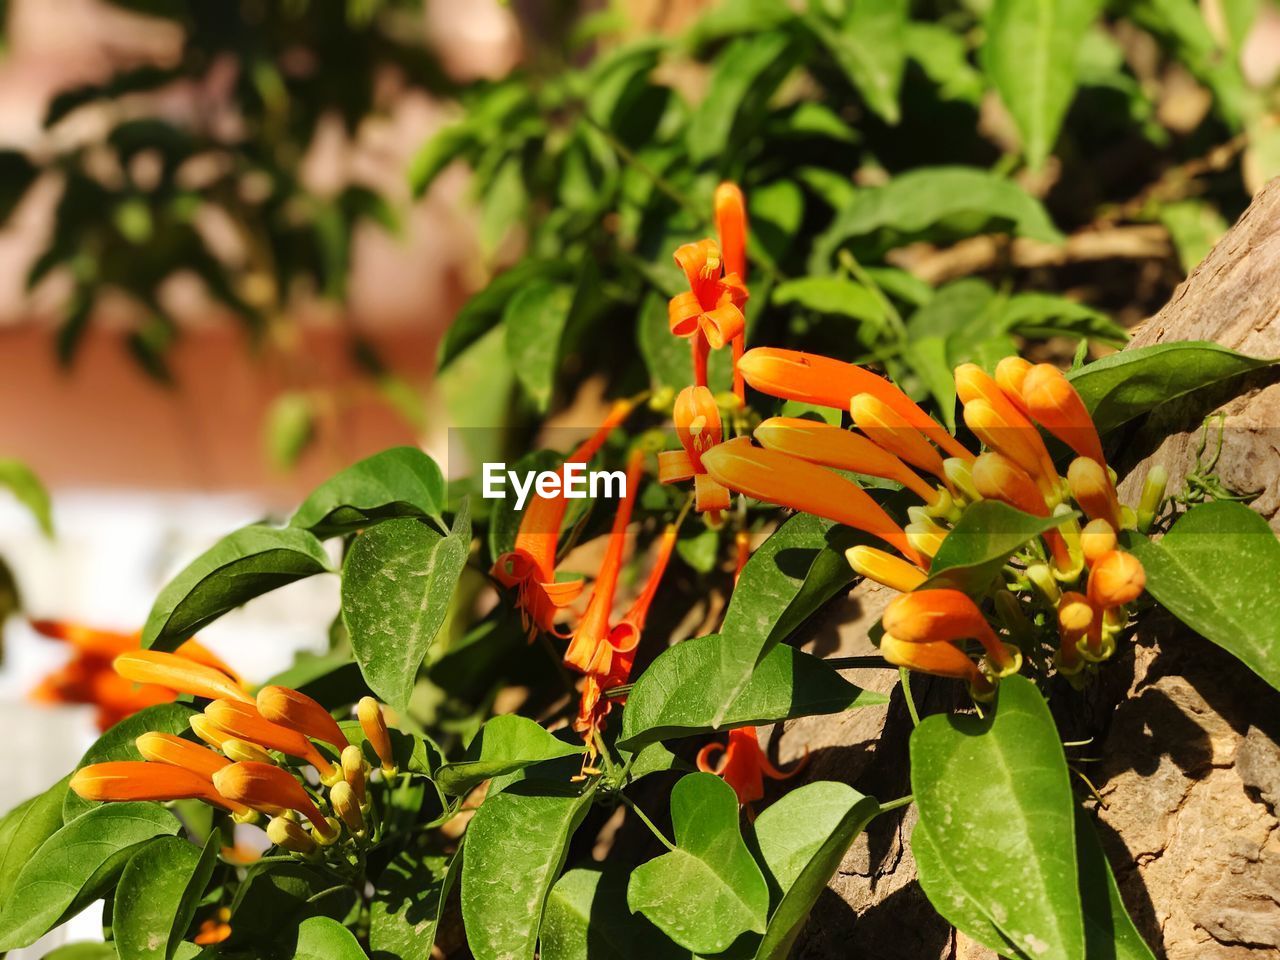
[
  {"x": 297, "y": 711},
  {"x": 244, "y": 721},
  {"x": 891, "y": 432},
  {"x": 831, "y": 446},
  {"x": 589, "y": 650},
  {"x": 972, "y": 383},
  {"x": 1010, "y": 374},
  {"x": 884, "y": 568},
  {"x": 266, "y": 786},
  {"x": 777, "y": 478},
  {"x": 731, "y": 227},
  {"x": 123, "y": 780},
  {"x": 166, "y": 748},
  {"x": 741, "y": 553},
  {"x": 374, "y": 725},
  {"x": 1116, "y": 578},
  {"x": 945, "y": 616},
  {"x": 812, "y": 378},
  {"x": 179, "y": 673},
  {"x": 87, "y": 640},
  {"x": 1054, "y": 403},
  {"x": 940, "y": 659},
  {"x": 743, "y": 765},
  {"x": 1091, "y": 487},
  {"x": 530, "y": 566},
  {"x": 1021, "y": 444},
  {"x": 1076, "y": 621},
  {"x": 698, "y": 427},
  {"x": 999, "y": 478},
  {"x": 1097, "y": 539},
  {"x": 710, "y": 313}
]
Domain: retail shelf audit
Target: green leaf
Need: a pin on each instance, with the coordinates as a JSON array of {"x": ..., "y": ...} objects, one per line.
[
  {"x": 749, "y": 69},
  {"x": 246, "y": 564},
  {"x": 19, "y": 479},
  {"x": 1108, "y": 929},
  {"x": 158, "y": 893},
  {"x": 17, "y": 174},
  {"x": 399, "y": 482},
  {"x": 667, "y": 357},
  {"x": 535, "y": 320},
  {"x": 322, "y": 938},
  {"x": 274, "y": 899},
  {"x": 870, "y": 47},
  {"x": 775, "y": 211},
  {"x": 408, "y": 899},
  {"x": 397, "y": 582},
  {"x": 24, "y": 828},
  {"x": 944, "y": 57},
  {"x": 118, "y": 744},
  {"x": 1030, "y": 54},
  {"x": 673, "y": 697},
  {"x": 838, "y": 295},
  {"x": 734, "y": 17},
  {"x": 445, "y": 146},
  {"x": 87, "y": 950},
  {"x": 913, "y": 202},
  {"x": 76, "y": 866},
  {"x": 708, "y": 890},
  {"x": 989, "y": 532},
  {"x": 514, "y": 849},
  {"x": 1125, "y": 385},
  {"x": 503, "y": 745},
  {"x": 1196, "y": 570},
  {"x": 802, "y": 839},
  {"x": 995, "y": 796},
  {"x": 587, "y": 918},
  {"x": 1045, "y": 315},
  {"x": 1194, "y": 226}
]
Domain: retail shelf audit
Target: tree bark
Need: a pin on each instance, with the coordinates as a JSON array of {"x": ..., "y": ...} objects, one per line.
[{"x": 1188, "y": 770}]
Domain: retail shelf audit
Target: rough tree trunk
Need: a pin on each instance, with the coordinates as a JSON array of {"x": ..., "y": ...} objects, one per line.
[{"x": 1190, "y": 768}]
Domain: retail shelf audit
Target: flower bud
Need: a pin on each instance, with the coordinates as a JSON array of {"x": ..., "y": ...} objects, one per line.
[
  {"x": 1053, "y": 402},
  {"x": 959, "y": 477},
  {"x": 925, "y": 538},
  {"x": 932, "y": 616},
  {"x": 242, "y": 720},
  {"x": 1091, "y": 488},
  {"x": 166, "y": 748},
  {"x": 1153, "y": 488},
  {"x": 996, "y": 477},
  {"x": 299, "y": 712},
  {"x": 347, "y": 806},
  {"x": 178, "y": 673},
  {"x": 884, "y": 568},
  {"x": 1075, "y": 620},
  {"x": 1116, "y": 579},
  {"x": 1010, "y": 374},
  {"x": 893, "y": 433},
  {"x": 287, "y": 835},
  {"x": 355, "y": 770},
  {"x": 1018, "y": 440},
  {"x": 374, "y": 725},
  {"x": 123, "y": 780},
  {"x": 266, "y": 786},
  {"x": 242, "y": 751},
  {"x": 207, "y": 730},
  {"x": 1096, "y": 540},
  {"x": 938, "y": 659},
  {"x": 1042, "y": 579}
]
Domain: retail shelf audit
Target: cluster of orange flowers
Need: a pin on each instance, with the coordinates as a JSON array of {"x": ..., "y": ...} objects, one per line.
[{"x": 241, "y": 771}]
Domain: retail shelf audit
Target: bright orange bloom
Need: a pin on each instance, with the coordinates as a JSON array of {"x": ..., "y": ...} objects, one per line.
[
  {"x": 1097, "y": 539},
  {"x": 88, "y": 640},
  {"x": 1091, "y": 487},
  {"x": 1115, "y": 579},
  {"x": 207, "y": 730},
  {"x": 777, "y": 478},
  {"x": 937, "y": 616},
  {"x": 244, "y": 721},
  {"x": 697, "y": 423},
  {"x": 213, "y": 930},
  {"x": 166, "y": 748},
  {"x": 833, "y": 447},
  {"x": 813, "y": 378},
  {"x": 287, "y": 834},
  {"x": 374, "y": 725},
  {"x": 122, "y": 780},
  {"x": 1021, "y": 444},
  {"x": 709, "y": 314},
  {"x": 1010, "y": 374},
  {"x": 530, "y": 566},
  {"x": 973, "y": 383},
  {"x": 178, "y": 673},
  {"x": 265, "y": 786},
  {"x": 589, "y": 647},
  {"x": 884, "y": 568},
  {"x": 241, "y": 751},
  {"x": 731, "y": 227},
  {"x": 999, "y": 478},
  {"x": 743, "y": 765},
  {"x": 940, "y": 659},
  {"x": 1054, "y": 403},
  {"x": 297, "y": 711},
  {"x": 890, "y": 431}
]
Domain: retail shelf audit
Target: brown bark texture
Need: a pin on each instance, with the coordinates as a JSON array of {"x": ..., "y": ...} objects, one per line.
[{"x": 1184, "y": 748}]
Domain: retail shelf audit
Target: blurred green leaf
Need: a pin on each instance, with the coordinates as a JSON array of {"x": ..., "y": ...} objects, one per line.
[
  {"x": 289, "y": 429},
  {"x": 21, "y": 481},
  {"x": 1194, "y": 227},
  {"x": 869, "y": 45},
  {"x": 535, "y": 320},
  {"x": 749, "y": 69}
]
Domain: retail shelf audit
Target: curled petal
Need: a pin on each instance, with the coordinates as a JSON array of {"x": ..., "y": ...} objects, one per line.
[
  {"x": 683, "y": 311},
  {"x": 722, "y": 324},
  {"x": 675, "y": 466},
  {"x": 709, "y": 494}
]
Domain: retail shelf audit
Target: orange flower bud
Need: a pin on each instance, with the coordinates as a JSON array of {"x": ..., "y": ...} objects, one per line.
[
  {"x": 1010, "y": 373},
  {"x": 1115, "y": 579},
  {"x": 178, "y": 673},
  {"x": 1019, "y": 441},
  {"x": 935, "y": 616},
  {"x": 833, "y": 447},
  {"x": 166, "y": 748},
  {"x": 355, "y": 770},
  {"x": 122, "y": 780},
  {"x": 731, "y": 225},
  {"x": 207, "y": 730},
  {"x": 884, "y": 568},
  {"x": 243, "y": 720},
  {"x": 1076, "y": 621},
  {"x": 996, "y": 477},
  {"x": 213, "y": 930},
  {"x": 1097, "y": 539},
  {"x": 374, "y": 725},
  {"x": 777, "y": 478},
  {"x": 242, "y": 751},
  {"x": 886, "y": 429},
  {"x": 1091, "y": 487},
  {"x": 1054, "y": 403},
  {"x": 297, "y": 711},
  {"x": 972, "y": 383},
  {"x": 813, "y": 378},
  {"x": 87, "y": 640},
  {"x": 939, "y": 659},
  {"x": 266, "y": 786}
]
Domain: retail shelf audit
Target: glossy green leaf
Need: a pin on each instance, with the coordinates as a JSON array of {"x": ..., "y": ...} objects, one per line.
[
  {"x": 995, "y": 796},
  {"x": 413, "y": 753},
  {"x": 587, "y": 918},
  {"x": 912, "y": 202},
  {"x": 275, "y": 898},
  {"x": 76, "y": 866},
  {"x": 88, "y": 950},
  {"x": 21, "y": 481},
  {"x": 397, "y": 582},
  {"x": 989, "y": 532},
  {"x": 707, "y": 891},
  {"x": 322, "y": 938},
  {"x": 408, "y": 899},
  {"x": 535, "y": 320},
  {"x": 504, "y": 744},
  {"x": 118, "y": 744},
  {"x": 1128, "y": 384},
  {"x": 1216, "y": 568},
  {"x": 24, "y": 828},
  {"x": 672, "y": 698},
  {"x": 400, "y": 482},
  {"x": 1030, "y": 54},
  {"x": 802, "y": 839},
  {"x": 157, "y": 896},
  {"x": 1047, "y": 315},
  {"x": 837, "y": 295},
  {"x": 749, "y": 68},
  {"x": 1108, "y": 929},
  {"x": 246, "y": 564},
  {"x": 514, "y": 849},
  {"x": 870, "y": 47}
]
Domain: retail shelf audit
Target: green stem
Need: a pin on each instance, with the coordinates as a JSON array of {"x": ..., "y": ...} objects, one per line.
[
  {"x": 850, "y": 263},
  {"x": 895, "y": 804},
  {"x": 647, "y": 822},
  {"x": 905, "y": 676}
]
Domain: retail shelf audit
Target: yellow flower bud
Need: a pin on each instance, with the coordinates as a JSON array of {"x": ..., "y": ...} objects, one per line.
[
  {"x": 374, "y": 725},
  {"x": 287, "y": 834},
  {"x": 242, "y": 750},
  {"x": 346, "y": 806},
  {"x": 355, "y": 770},
  {"x": 884, "y": 568}
]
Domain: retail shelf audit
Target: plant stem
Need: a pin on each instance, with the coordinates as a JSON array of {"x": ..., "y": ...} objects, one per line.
[
  {"x": 850, "y": 263},
  {"x": 647, "y": 822},
  {"x": 905, "y": 676},
  {"x": 895, "y": 804},
  {"x": 851, "y": 663}
]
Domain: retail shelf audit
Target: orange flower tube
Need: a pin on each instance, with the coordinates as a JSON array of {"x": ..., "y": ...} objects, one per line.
[
  {"x": 1010, "y": 374},
  {"x": 374, "y": 725},
  {"x": 777, "y": 478},
  {"x": 884, "y": 568},
  {"x": 972, "y": 383},
  {"x": 179, "y": 673},
  {"x": 1053, "y": 402},
  {"x": 698, "y": 427},
  {"x": 999, "y": 478},
  {"x": 166, "y": 748},
  {"x": 710, "y": 313},
  {"x": 831, "y": 446},
  {"x": 743, "y": 765},
  {"x": 882, "y": 424},
  {"x": 244, "y": 721},
  {"x": 813, "y": 378},
  {"x": 1091, "y": 487},
  {"x": 266, "y": 786},
  {"x": 938, "y": 616},
  {"x": 940, "y": 659},
  {"x": 731, "y": 227},
  {"x": 1021, "y": 444},
  {"x": 124, "y": 780},
  {"x": 297, "y": 711},
  {"x": 87, "y": 640},
  {"x": 1097, "y": 539}
]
